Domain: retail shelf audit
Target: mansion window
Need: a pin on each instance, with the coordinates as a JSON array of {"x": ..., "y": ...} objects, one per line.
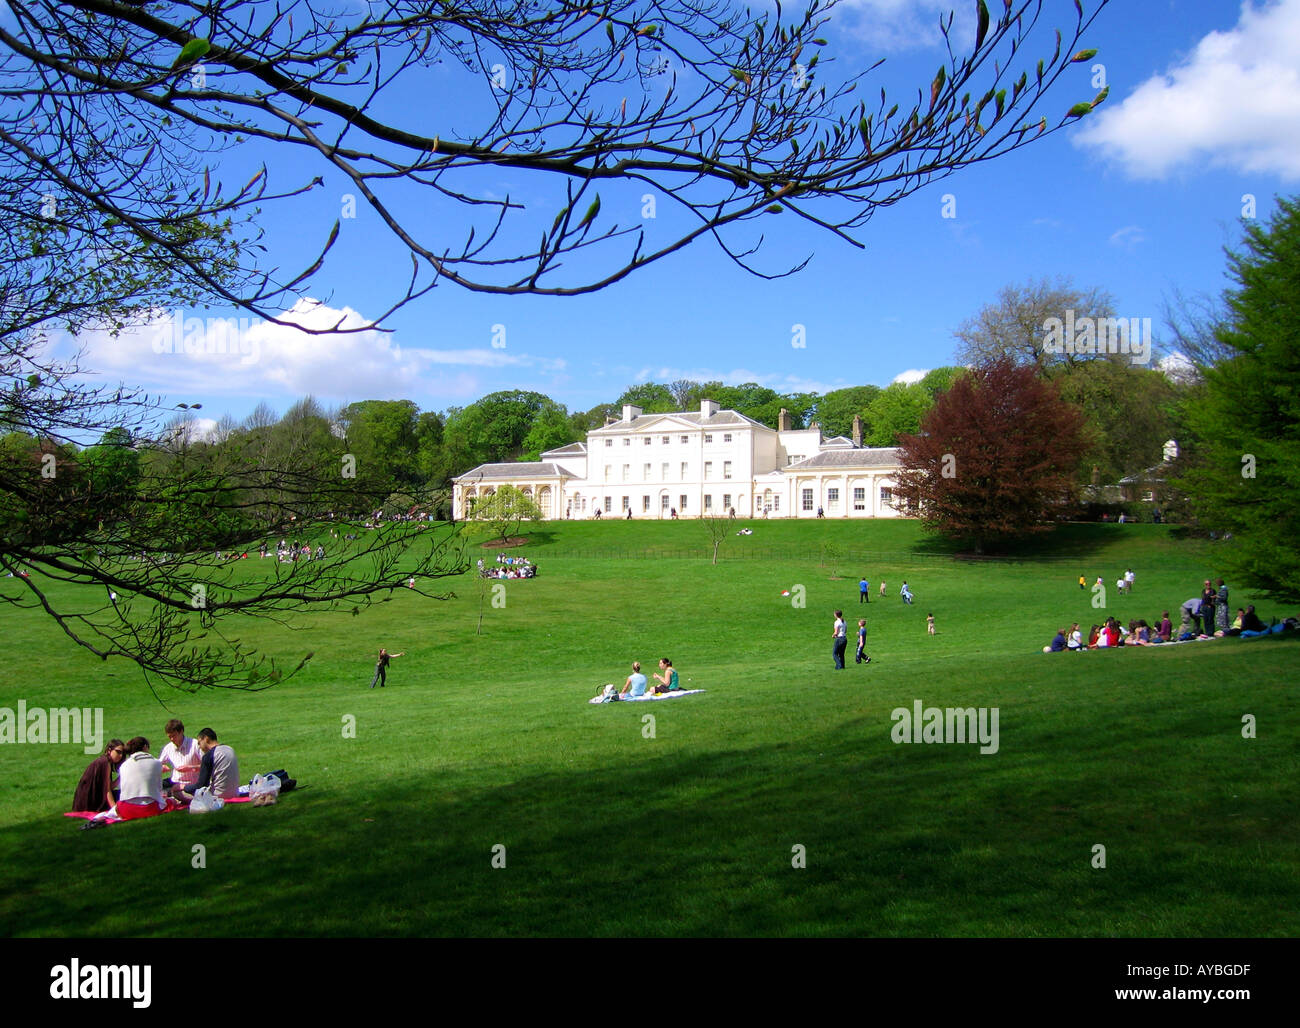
[
  {"x": 645, "y": 473},
  {"x": 726, "y": 438},
  {"x": 609, "y": 442},
  {"x": 886, "y": 494},
  {"x": 685, "y": 467},
  {"x": 685, "y": 439},
  {"x": 708, "y": 469},
  {"x": 627, "y": 441},
  {"x": 859, "y": 498},
  {"x": 776, "y": 504},
  {"x": 608, "y": 502},
  {"x": 647, "y": 440},
  {"x": 664, "y": 440},
  {"x": 708, "y": 437},
  {"x": 663, "y": 503},
  {"x": 665, "y": 471},
  {"x": 726, "y": 501},
  {"x": 626, "y": 504},
  {"x": 606, "y": 472},
  {"x": 726, "y": 471},
  {"x": 627, "y": 470},
  {"x": 645, "y": 505},
  {"x": 807, "y": 499},
  {"x": 708, "y": 501},
  {"x": 681, "y": 506},
  {"x": 833, "y": 499}
]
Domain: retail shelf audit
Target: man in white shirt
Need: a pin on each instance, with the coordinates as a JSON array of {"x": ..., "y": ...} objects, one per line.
[{"x": 182, "y": 755}]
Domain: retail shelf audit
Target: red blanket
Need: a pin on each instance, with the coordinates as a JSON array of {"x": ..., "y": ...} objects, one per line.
[{"x": 87, "y": 815}]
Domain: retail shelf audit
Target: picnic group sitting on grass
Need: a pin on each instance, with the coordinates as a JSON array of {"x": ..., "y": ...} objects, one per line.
[
  {"x": 192, "y": 764},
  {"x": 636, "y": 685},
  {"x": 508, "y": 567},
  {"x": 1203, "y": 617}
]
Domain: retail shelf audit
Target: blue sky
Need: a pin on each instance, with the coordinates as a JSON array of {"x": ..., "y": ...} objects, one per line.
[{"x": 1139, "y": 199}]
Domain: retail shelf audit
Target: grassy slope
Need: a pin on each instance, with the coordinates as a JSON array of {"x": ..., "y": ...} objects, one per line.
[{"x": 480, "y": 740}]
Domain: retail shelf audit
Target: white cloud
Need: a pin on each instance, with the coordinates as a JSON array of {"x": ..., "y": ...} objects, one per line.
[
  {"x": 904, "y": 24},
  {"x": 1234, "y": 103},
  {"x": 1127, "y": 237},
  {"x": 331, "y": 355},
  {"x": 910, "y": 377}
]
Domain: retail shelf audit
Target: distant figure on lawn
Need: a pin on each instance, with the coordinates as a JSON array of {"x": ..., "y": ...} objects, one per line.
[
  {"x": 381, "y": 667},
  {"x": 821, "y": 513},
  {"x": 882, "y": 587},
  {"x": 862, "y": 657},
  {"x": 1129, "y": 578},
  {"x": 929, "y": 624},
  {"x": 666, "y": 676},
  {"x": 906, "y": 593},
  {"x": 839, "y": 640},
  {"x": 864, "y": 590},
  {"x": 635, "y": 684},
  {"x": 1081, "y": 582},
  {"x": 95, "y": 790},
  {"x": 1057, "y": 645}
]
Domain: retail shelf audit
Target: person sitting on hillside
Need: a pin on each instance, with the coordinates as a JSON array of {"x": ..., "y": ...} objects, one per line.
[
  {"x": 140, "y": 784},
  {"x": 1057, "y": 645},
  {"x": 95, "y": 790},
  {"x": 1235, "y": 628},
  {"x": 1166, "y": 628},
  {"x": 668, "y": 679},
  {"x": 1250, "y": 621},
  {"x": 635, "y": 684},
  {"x": 1093, "y": 635},
  {"x": 219, "y": 770},
  {"x": 1075, "y": 642}
]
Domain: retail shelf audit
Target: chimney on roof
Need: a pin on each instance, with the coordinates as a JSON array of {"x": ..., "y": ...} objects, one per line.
[
  {"x": 631, "y": 412},
  {"x": 857, "y": 429},
  {"x": 708, "y": 408},
  {"x": 609, "y": 420},
  {"x": 783, "y": 421}
]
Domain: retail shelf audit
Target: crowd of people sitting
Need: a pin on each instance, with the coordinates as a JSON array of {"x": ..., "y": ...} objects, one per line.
[
  {"x": 147, "y": 785},
  {"x": 508, "y": 567},
  {"x": 1202, "y": 617}
]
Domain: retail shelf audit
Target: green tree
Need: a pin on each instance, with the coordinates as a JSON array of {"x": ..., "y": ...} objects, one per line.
[
  {"x": 552, "y": 428},
  {"x": 1245, "y": 479},
  {"x": 651, "y": 397},
  {"x": 505, "y": 510},
  {"x": 836, "y": 409},
  {"x": 895, "y": 412}
]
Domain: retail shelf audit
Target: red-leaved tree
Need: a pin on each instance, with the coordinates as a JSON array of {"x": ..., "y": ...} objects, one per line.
[{"x": 996, "y": 456}]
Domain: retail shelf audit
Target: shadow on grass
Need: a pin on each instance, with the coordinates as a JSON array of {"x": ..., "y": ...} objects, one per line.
[{"x": 898, "y": 840}]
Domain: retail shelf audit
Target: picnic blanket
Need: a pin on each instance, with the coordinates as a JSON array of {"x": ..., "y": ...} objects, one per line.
[
  {"x": 648, "y": 696},
  {"x": 88, "y": 815}
]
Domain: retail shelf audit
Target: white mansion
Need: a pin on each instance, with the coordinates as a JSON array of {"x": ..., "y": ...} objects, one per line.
[{"x": 698, "y": 463}]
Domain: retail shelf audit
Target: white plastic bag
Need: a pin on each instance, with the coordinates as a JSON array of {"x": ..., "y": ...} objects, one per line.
[
  {"x": 264, "y": 790},
  {"x": 205, "y": 801}
]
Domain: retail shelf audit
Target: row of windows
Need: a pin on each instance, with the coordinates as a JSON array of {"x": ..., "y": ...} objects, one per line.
[
  {"x": 664, "y": 471},
  {"x": 664, "y": 439},
  {"x": 833, "y": 498},
  {"x": 607, "y": 505}
]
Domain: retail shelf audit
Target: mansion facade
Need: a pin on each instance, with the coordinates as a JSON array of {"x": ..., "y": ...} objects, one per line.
[{"x": 697, "y": 463}]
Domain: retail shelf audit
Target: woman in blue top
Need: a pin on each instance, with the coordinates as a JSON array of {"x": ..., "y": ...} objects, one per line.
[
  {"x": 635, "y": 683},
  {"x": 668, "y": 680}
]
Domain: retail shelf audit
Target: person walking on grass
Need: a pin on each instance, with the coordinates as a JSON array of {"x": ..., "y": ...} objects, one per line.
[
  {"x": 381, "y": 667},
  {"x": 839, "y": 640},
  {"x": 862, "y": 657},
  {"x": 906, "y": 594}
]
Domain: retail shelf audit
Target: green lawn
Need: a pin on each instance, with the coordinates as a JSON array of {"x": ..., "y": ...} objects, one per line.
[{"x": 487, "y": 740}]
